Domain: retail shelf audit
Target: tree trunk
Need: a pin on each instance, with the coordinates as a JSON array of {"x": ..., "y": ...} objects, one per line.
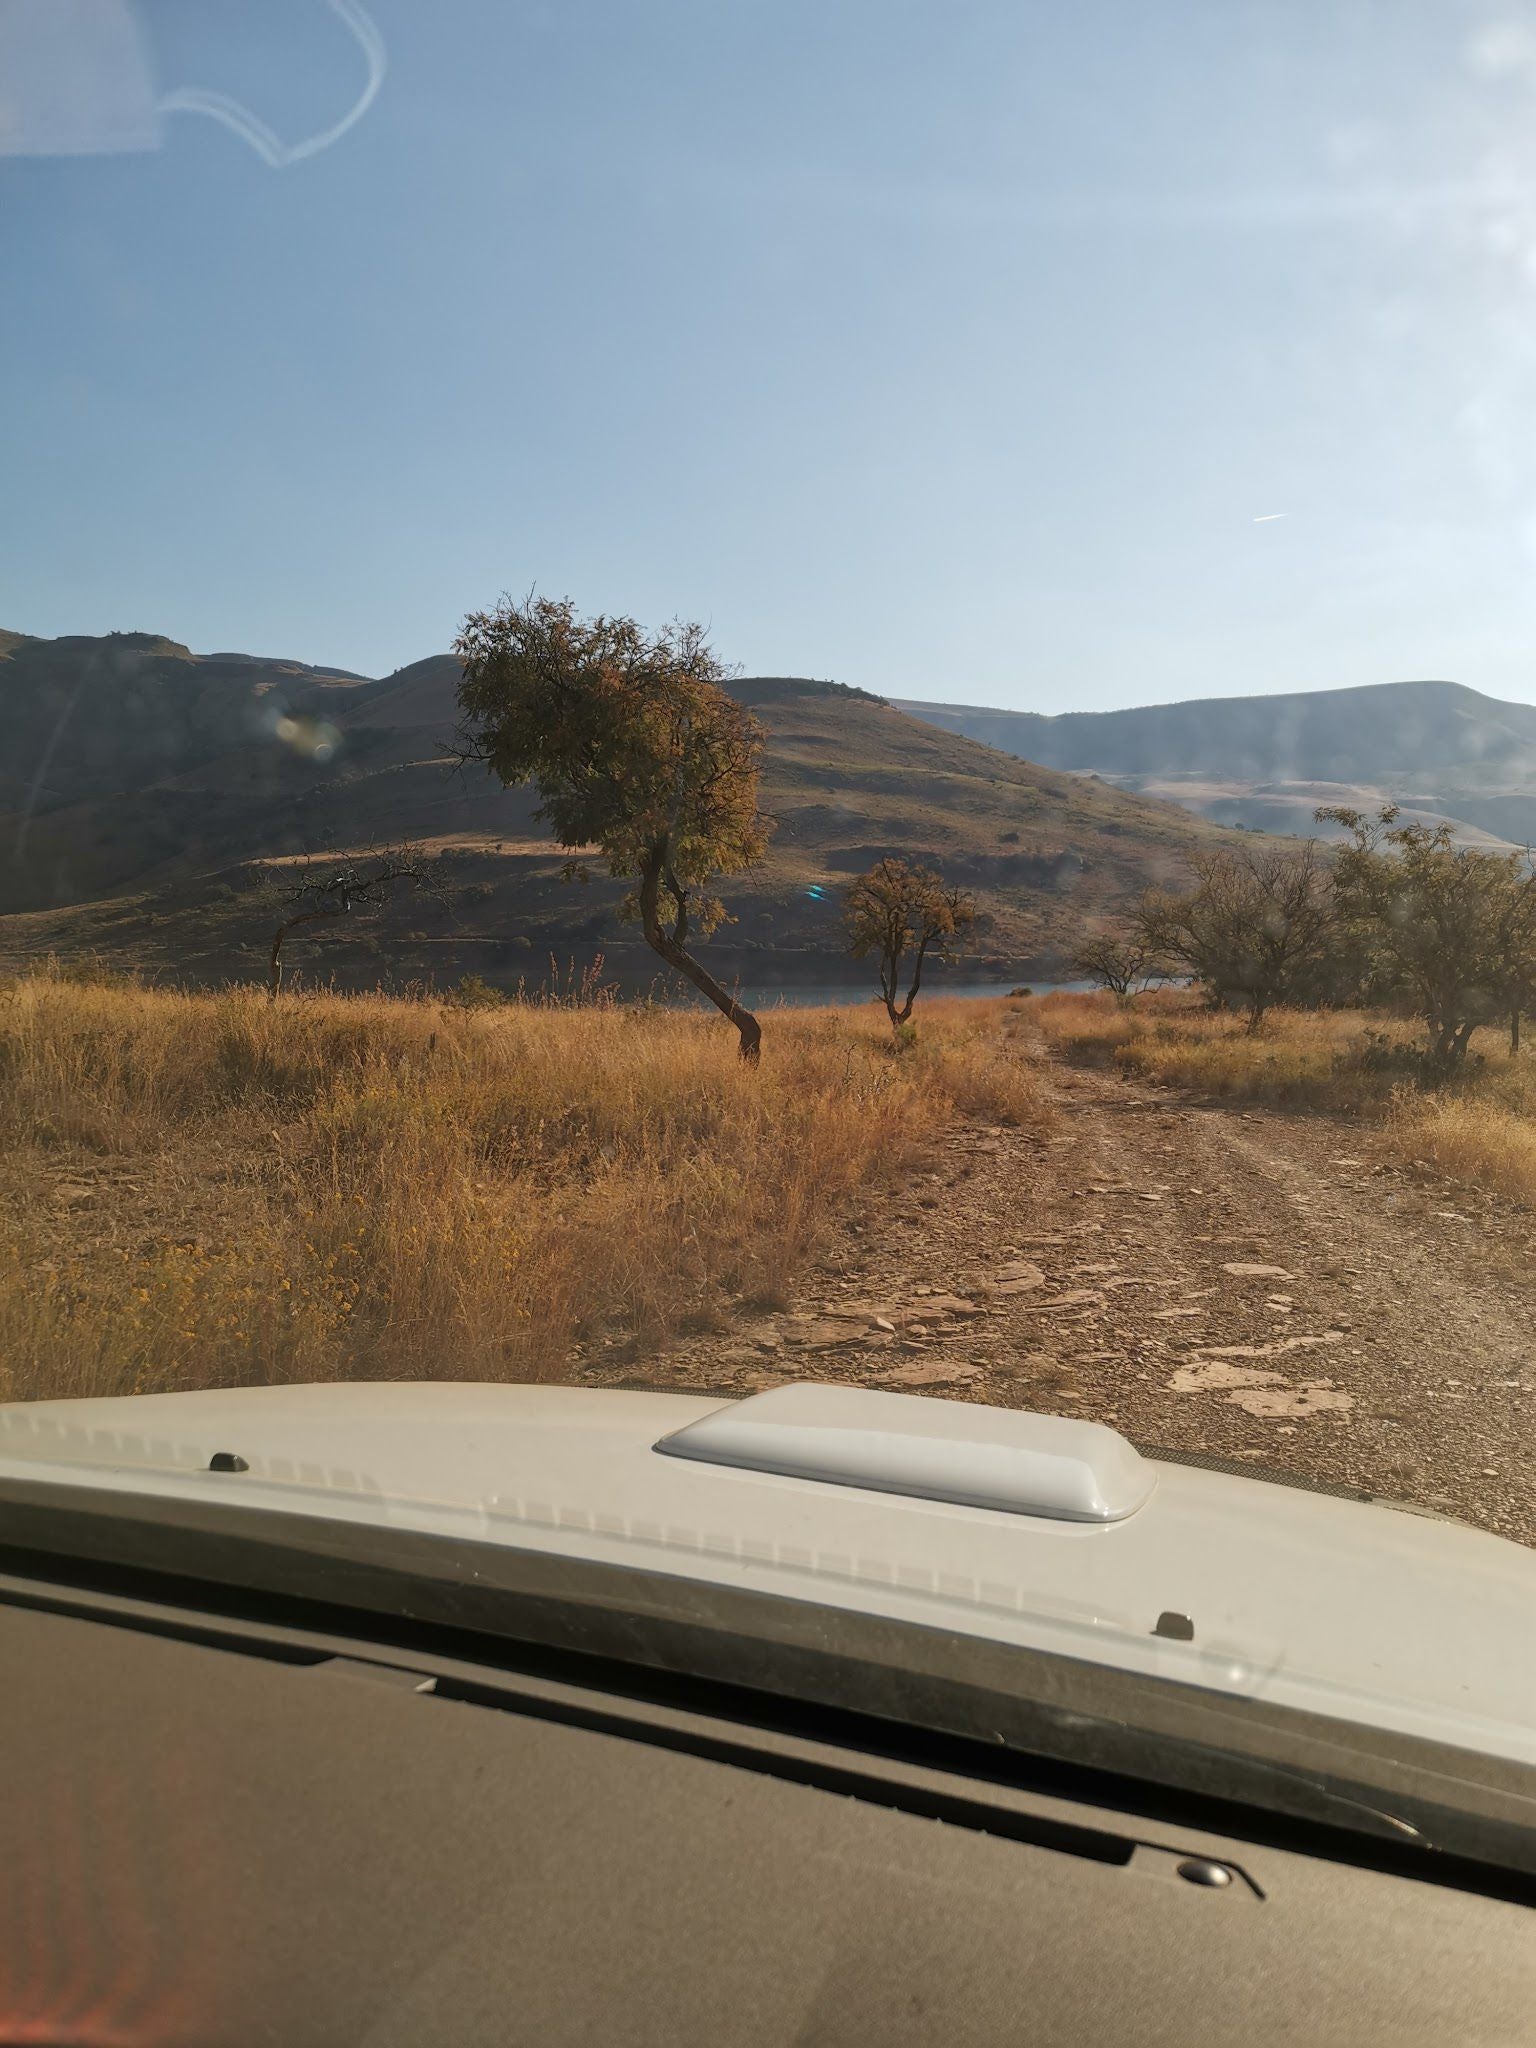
[
  {"x": 890, "y": 968},
  {"x": 662, "y": 942},
  {"x": 1451, "y": 1042},
  {"x": 275, "y": 957},
  {"x": 1514, "y": 1029},
  {"x": 917, "y": 982}
]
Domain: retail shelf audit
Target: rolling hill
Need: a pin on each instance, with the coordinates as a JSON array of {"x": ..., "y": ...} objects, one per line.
[
  {"x": 1437, "y": 748},
  {"x": 150, "y": 790}
]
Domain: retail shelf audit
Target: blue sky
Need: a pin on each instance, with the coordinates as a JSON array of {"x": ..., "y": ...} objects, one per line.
[{"x": 953, "y": 349}]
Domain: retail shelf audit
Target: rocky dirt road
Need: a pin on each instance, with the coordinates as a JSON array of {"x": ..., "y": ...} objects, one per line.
[{"x": 1259, "y": 1287}]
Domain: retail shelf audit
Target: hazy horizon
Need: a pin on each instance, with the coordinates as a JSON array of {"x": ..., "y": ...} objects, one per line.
[{"x": 898, "y": 696}]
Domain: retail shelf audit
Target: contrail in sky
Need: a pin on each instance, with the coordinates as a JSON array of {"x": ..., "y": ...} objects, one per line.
[{"x": 1264, "y": 517}]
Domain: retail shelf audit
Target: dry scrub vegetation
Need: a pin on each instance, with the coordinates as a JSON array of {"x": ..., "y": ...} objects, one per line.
[
  {"x": 1479, "y": 1125},
  {"x": 211, "y": 1189}
]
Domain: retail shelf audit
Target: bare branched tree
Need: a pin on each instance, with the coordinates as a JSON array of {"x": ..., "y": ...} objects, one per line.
[
  {"x": 1122, "y": 962},
  {"x": 1253, "y": 930},
  {"x": 320, "y": 890}
]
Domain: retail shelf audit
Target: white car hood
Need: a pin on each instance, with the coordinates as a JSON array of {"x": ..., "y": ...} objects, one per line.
[{"x": 1392, "y": 1620}]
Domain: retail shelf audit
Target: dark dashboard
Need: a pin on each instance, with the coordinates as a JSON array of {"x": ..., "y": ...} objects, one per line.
[{"x": 257, "y": 1830}]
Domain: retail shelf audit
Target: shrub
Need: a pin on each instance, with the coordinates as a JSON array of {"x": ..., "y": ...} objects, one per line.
[{"x": 471, "y": 992}]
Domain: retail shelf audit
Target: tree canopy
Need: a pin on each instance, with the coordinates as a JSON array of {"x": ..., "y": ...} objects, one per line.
[
  {"x": 637, "y": 752},
  {"x": 1399, "y": 915},
  {"x": 896, "y": 910},
  {"x": 1453, "y": 928},
  {"x": 1255, "y": 929}
]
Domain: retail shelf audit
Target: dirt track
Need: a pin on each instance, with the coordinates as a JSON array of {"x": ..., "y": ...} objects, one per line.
[{"x": 1389, "y": 1343}]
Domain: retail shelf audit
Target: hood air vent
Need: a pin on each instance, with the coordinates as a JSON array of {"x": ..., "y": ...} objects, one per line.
[{"x": 955, "y": 1451}]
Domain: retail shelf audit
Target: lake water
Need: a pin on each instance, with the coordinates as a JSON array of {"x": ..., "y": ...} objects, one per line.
[{"x": 829, "y": 995}]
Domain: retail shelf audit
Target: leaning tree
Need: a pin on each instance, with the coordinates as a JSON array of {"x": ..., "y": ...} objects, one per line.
[{"x": 636, "y": 750}]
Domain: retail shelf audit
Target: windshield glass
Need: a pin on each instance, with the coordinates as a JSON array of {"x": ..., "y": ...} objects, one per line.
[{"x": 698, "y": 697}]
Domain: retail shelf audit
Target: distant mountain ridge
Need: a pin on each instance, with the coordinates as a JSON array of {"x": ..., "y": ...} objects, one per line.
[
  {"x": 1439, "y": 748},
  {"x": 142, "y": 787}
]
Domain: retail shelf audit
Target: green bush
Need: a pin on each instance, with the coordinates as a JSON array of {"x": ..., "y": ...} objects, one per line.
[{"x": 474, "y": 993}]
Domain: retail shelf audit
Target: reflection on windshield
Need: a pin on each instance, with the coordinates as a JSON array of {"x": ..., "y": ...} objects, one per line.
[{"x": 1006, "y": 879}]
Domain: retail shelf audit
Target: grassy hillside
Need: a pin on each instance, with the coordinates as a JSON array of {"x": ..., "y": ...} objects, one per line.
[
  {"x": 151, "y": 849},
  {"x": 92, "y": 717}
]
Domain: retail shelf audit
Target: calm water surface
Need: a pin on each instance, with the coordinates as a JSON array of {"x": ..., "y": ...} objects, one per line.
[{"x": 827, "y": 995}]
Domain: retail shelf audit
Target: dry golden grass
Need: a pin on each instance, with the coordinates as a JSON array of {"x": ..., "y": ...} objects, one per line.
[
  {"x": 1483, "y": 1130},
  {"x": 1322, "y": 1059},
  {"x": 1472, "y": 1140},
  {"x": 213, "y": 1190},
  {"x": 1480, "y": 1128}
]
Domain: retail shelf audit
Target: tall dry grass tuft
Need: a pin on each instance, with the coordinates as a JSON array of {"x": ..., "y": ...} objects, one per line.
[
  {"x": 215, "y": 1189},
  {"x": 1482, "y": 1130},
  {"x": 1471, "y": 1140}
]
